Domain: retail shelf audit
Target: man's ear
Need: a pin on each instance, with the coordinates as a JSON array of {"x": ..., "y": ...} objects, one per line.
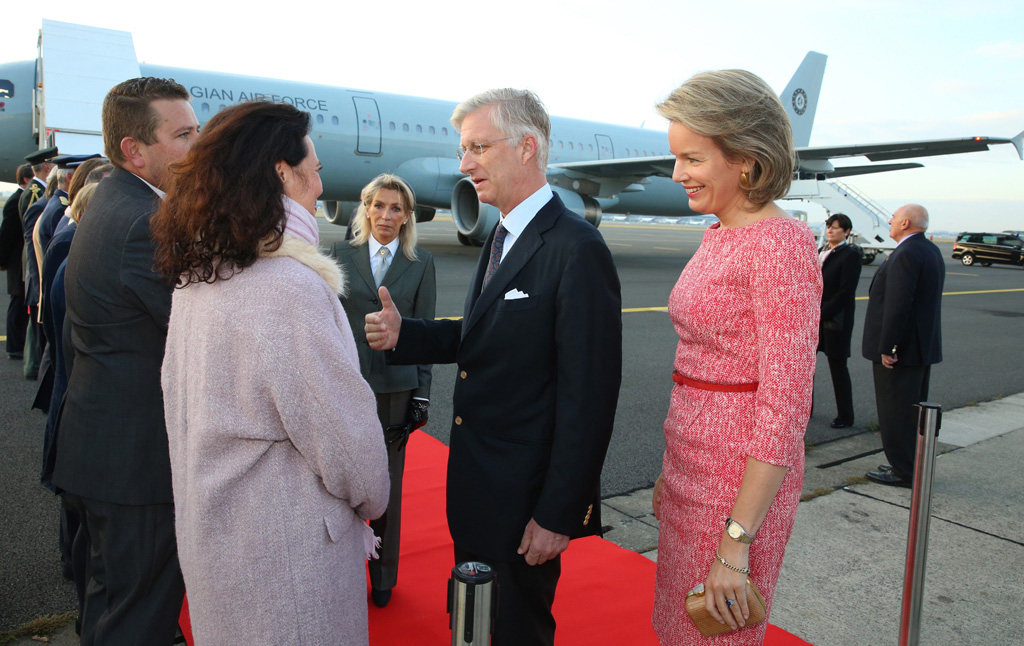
[
  {"x": 529, "y": 148},
  {"x": 130, "y": 148}
]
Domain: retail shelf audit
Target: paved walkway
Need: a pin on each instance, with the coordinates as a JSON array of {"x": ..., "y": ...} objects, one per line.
[{"x": 843, "y": 576}]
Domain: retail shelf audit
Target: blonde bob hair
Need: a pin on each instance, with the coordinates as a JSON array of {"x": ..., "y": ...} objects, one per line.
[
  {"x": 81, "y": 202},
  {"x": 361, "y": 229},
  {"x": 740, "y": 113}
]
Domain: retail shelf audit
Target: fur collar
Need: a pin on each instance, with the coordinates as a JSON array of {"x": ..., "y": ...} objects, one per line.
[{"x": 313, "y": 258}]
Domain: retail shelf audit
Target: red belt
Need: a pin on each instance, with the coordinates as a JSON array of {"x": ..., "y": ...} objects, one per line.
[{"x": 703, "y": 385}]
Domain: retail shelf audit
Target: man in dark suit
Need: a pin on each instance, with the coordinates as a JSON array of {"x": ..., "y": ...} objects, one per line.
[
  {"x": 112, "y": 457},
  {"x": 31, "y": 206},
  {"x": 12, "y": 245},
  {"x": 903, "y": 338},
  {"x": 539, "y": 353}
]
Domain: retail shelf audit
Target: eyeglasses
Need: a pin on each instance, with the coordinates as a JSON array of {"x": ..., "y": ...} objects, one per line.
[{"x": 478, "y": 149}]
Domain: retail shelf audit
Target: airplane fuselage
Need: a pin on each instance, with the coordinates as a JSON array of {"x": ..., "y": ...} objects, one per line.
[{"x": 360, "y": 134}]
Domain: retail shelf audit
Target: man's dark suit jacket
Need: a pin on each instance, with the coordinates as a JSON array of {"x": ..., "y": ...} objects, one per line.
[
  {"x": 839, "y": 277},
  {"x": 111, "y": 438},
  {"x": 904, "y": 305},
  {"x": 412, "y": 288},
  {"x": 537, "y": 387},
  {"x": 12, "y": 243}
]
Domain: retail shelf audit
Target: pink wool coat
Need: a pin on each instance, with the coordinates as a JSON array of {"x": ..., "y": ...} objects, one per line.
[{"x": 276, "y": 454}]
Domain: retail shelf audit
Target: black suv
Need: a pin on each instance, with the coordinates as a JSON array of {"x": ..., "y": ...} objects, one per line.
[{"x": 988, "y": 248}]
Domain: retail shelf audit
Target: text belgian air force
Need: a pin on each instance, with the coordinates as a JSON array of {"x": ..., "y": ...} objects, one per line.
[{"x": 303, "y": 103}]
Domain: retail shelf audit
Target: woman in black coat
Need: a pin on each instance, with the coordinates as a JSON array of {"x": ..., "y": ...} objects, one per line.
[{"x": 840, "y": 272}]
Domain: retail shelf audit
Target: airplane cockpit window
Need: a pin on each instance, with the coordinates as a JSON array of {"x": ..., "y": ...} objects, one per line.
[{"x": 6, "y": 89}]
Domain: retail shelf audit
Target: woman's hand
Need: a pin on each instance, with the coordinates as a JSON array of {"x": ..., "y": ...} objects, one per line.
[
  {"x": 724, "y": 584},
  {"x": 656, "y": 497}
]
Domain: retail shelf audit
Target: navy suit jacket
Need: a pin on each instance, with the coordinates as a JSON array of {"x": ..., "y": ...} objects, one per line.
[
  {"x": 537, "y": 387},
  {"x": 905, "y": 305},
  {"x": 111, "y": 438}
]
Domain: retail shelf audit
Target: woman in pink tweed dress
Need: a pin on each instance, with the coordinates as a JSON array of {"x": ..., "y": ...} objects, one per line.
[{"x": 746, "y": 311}]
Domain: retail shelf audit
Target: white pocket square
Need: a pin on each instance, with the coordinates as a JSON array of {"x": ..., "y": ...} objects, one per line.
[{"x": 514, "y": 294}]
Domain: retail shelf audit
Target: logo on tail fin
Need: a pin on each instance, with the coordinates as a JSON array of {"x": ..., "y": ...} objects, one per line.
[{"x": 799, "y": 101}]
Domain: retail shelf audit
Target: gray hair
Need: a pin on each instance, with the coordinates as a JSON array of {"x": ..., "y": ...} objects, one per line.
[
  {"x": 361, "y": 228},
  {"x": 516, "y": 113},
  {"x": 64, "y": 177},
  {"x": 742, "y": 115},
  {"x": 51, "y": 182}
]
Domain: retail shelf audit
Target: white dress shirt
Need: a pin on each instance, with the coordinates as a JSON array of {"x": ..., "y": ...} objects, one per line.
[{"x": 515, "y": 222}]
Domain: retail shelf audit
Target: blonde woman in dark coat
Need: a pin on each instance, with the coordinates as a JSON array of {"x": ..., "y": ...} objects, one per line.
[{"x": 383, "y": 252}]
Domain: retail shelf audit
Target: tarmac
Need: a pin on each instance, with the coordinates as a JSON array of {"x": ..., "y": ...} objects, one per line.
[{"x": 842, "y": 579}]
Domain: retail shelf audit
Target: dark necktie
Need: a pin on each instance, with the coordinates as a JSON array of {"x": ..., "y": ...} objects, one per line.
[{"x": 496, "y": 247}]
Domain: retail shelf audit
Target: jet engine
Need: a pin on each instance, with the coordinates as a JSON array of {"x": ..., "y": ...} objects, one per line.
[
  {"x": 338, "y": 212},
  {"x": 475, "y": 220}
]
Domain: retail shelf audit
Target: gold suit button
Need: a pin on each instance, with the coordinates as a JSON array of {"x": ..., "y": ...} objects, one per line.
[
  {"x": 458, "y": 421},
  {"x": 463, "y": 374}
]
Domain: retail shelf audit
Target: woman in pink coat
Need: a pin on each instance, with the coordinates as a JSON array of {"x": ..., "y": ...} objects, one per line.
[
  {"x": 274, "y": 474},
  {"x": 746, "y": 311}
]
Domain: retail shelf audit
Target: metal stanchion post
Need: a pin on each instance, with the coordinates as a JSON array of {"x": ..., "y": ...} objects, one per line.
[{"x": 928, "y": 421}]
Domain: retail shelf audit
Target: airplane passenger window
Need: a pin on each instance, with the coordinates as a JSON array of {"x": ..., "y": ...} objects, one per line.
[
  {"x": 419, "y": 129},
  {"x": 334, "y": 120},
  {"x": 570, "y": 145},
  {"x": 405, "y": 127},
  {"x": 432, "y": 130},
  {"x": 206, "y": 107},
  {"x": 391, "y": 126},
  {"x": 560, "y": 144},
  {"x": 444, "y": 132},
  {"x": 6, "y": 89},
  {"x": 319, "y": 118},
  {"x": 590, "y": 148}
]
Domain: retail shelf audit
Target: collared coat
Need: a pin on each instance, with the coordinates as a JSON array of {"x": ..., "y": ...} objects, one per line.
[{"x": 276, "y": 455}]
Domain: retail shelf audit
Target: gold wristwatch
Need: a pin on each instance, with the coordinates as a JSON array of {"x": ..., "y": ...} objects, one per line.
[{"x": 736, "y": 532}]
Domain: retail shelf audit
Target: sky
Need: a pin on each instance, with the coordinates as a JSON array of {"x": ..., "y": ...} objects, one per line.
[{"x": 896, "y": 70}]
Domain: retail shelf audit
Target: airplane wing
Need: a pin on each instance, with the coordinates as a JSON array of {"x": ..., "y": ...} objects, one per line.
[
  {"x": 908, "y": 149},
  {"x": 608, "y": 176}
]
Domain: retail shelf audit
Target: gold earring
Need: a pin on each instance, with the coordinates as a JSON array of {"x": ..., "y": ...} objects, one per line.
[{"x": 744, "y": 181}]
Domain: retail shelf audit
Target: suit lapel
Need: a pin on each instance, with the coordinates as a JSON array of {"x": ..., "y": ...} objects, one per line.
[
  {"x": 361, "y": 261},
  {"x": 522, "y": 251},
  {"x": 399, "y": 265}
]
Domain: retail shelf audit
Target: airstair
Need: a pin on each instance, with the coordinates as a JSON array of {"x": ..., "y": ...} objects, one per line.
[{"x": 870, "y": 219}]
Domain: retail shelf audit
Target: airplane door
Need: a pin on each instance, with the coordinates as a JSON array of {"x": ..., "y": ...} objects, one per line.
[
  {"x": 604, "y": 147},
  {"x": 367, "y": 126}
]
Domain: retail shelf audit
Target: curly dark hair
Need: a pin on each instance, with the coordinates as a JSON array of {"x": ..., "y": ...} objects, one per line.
[{"x": 224, "y": 204}]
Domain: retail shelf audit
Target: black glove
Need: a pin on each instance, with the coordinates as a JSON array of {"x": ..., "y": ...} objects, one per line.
[{"x": 418, "y": 413}]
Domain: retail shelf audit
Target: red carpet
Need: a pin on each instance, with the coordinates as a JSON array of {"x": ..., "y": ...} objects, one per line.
[{"x": 604, "y": 597}]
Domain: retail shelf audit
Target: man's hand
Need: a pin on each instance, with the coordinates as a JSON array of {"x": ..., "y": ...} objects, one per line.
[
  {"x": 540, "y": 545},
  {"x": 382, "y": 327},
  {"x": 889, "y": 360}
]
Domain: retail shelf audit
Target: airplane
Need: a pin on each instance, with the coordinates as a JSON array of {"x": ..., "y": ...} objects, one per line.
[{"x": 594, "y": 167}]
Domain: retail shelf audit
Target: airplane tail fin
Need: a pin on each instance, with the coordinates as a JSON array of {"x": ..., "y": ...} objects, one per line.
[
  {"x": 800, "y": 98},
  {"x": 1018, "y": 143}
]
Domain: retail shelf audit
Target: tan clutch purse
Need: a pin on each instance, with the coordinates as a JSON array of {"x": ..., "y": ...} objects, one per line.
[{"x": 708, "y": 625}]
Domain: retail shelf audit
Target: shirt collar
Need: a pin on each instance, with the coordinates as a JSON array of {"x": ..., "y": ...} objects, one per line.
[
  {"x": 517, "y": 219},
  {"x": 907, "y": 237},
  {"x": 375, "y": 246},
  {"x": 158, "y": 192}
]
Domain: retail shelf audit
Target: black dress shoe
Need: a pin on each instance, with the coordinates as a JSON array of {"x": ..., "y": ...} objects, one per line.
[
  {"x": 841, "y": 423},
  {"x": 380, "y": 597},
  {"x": 14, "y": 356},
  {"x": 889, "y": 478}
]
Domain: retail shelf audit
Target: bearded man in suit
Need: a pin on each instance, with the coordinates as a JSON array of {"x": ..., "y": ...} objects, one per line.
[{"x": 539, "y": 353}]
